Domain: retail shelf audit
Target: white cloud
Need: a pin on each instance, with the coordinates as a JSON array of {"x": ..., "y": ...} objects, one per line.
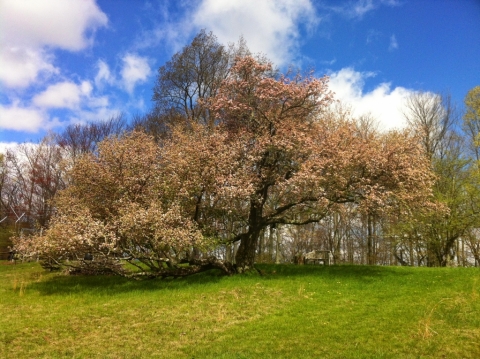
[
  {"x": 63, "y": 95},
  {"x": 356, "y": 9},
  {"x": 21, "y": 66},
  {"x": 170, "y": 33},
  {"x": 269, "y": 27},
  {"x": 18, "y": 118},
  {"x": 94, "y": 115},
  {"x": 103, "y": 75},
  {"x": 135, "y": 69},
  {"x": 393, "y": 43},
  {"x": 330, "y": 62},
  {"x": 362, "y": 7},
  {"x": 58, "y": 23},
  {"x": 78, "y": 99},
  {"x": 384, "y": 103},
  {"x": 28, "y": 27},
  {"x": 31, "y": 119}
]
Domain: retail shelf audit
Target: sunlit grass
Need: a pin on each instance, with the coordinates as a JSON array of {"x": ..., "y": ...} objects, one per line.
[{"x": 288, "y": 312}]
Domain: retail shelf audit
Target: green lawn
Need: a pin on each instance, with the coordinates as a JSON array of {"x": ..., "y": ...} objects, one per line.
[{"x": 289, "y": 312}]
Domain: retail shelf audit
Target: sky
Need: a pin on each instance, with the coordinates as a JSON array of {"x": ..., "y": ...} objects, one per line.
[{"x": 78, "y": 61}]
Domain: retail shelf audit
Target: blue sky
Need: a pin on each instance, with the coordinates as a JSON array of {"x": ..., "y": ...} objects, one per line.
[{"x": 70, "y": 61}]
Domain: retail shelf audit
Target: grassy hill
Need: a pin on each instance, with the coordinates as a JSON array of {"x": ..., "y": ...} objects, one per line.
[{"x": 288, "y": 312}]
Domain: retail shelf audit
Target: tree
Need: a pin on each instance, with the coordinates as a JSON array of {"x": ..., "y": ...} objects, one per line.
[
  {"x": 277, "y": 155},
  {"x": 194, "y": 73},
  {"x": 6, "y": 225},
  {"x": 432, "y": 117},
  {"x": 37, "y": 173},
  {"x": 118, "y": 210},
  {"x": 455, "y": 188},
  {"x": 471, "y": 126},
  {"x": 437, "y": 233},
  {"x": 292, "y": 162},
  {"x": 471, "y": 121},
  {"x": 3, "y": 185},
  {"x": 78, "y": 139}
]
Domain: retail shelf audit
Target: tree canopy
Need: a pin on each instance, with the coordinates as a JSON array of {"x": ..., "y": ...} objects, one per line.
[
  {"x": 274, "y": 153},
  {"x": 238, "y": 163}
]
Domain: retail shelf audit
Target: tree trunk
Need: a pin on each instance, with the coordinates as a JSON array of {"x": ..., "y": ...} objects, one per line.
[
  {"x": 229, "y": 253},
  {"x": 370, "y": 244},
  {"x": 447, "y": 249},
  {"x": 277, "y": 249},
  {"x": 411, "y": 253},
  {"x": 261, "y": 247},
  {"x": 270, "y": 243},
  {"x": 430, "y": 255},
  {"x": 245, "y": 257}
]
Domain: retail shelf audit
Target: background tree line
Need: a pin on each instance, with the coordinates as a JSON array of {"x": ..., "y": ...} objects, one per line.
[{"x": 239, "y": 163}]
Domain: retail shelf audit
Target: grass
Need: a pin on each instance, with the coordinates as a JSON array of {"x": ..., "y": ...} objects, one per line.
[{"x": 289, "y": 312}]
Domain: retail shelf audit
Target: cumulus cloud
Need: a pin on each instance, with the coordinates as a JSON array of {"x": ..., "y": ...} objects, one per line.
[
  {"x": 63, "y": 95},
  {"x": 21, "y": 66},
  {"x": 18, "y": 118},
  {"x": 383, "y": 102},
  {"x": 56, "y": 23},
  {"x": 79, "y": 101},
  {"x": 28, "y": 28},
  {"x": 135, "y": 69},
  {"x": 269, "y": 27}
]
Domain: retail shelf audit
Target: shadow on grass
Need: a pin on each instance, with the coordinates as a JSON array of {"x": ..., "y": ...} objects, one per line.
[{"x": 109, "y": 285}]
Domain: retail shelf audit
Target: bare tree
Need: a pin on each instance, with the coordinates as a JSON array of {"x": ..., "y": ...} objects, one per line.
[
  {"x": 367, "y": 125},
  {"x": 195, "y": 72},
  {"x": 433, "y": 117},
  {"x": 3, "y": 186},
  {"x": 37, "y": 173},
  {"x": 157, "y": 124},
  {"x": 78, "y": 139}
]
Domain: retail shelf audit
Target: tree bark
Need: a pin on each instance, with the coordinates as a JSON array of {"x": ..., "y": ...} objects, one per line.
[
  {"x": 270, "y": 242},
  {"x": 370, "y": 243},
  {"x": 277, "y": 249},
  {"x": 245, "y": 257}
]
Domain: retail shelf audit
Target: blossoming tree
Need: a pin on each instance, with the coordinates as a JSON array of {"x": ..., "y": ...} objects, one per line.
[
  {"x": 118, "y": 211},
  {"x": 275, "y": 155},
  {"x": 279, "y": 156}
]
